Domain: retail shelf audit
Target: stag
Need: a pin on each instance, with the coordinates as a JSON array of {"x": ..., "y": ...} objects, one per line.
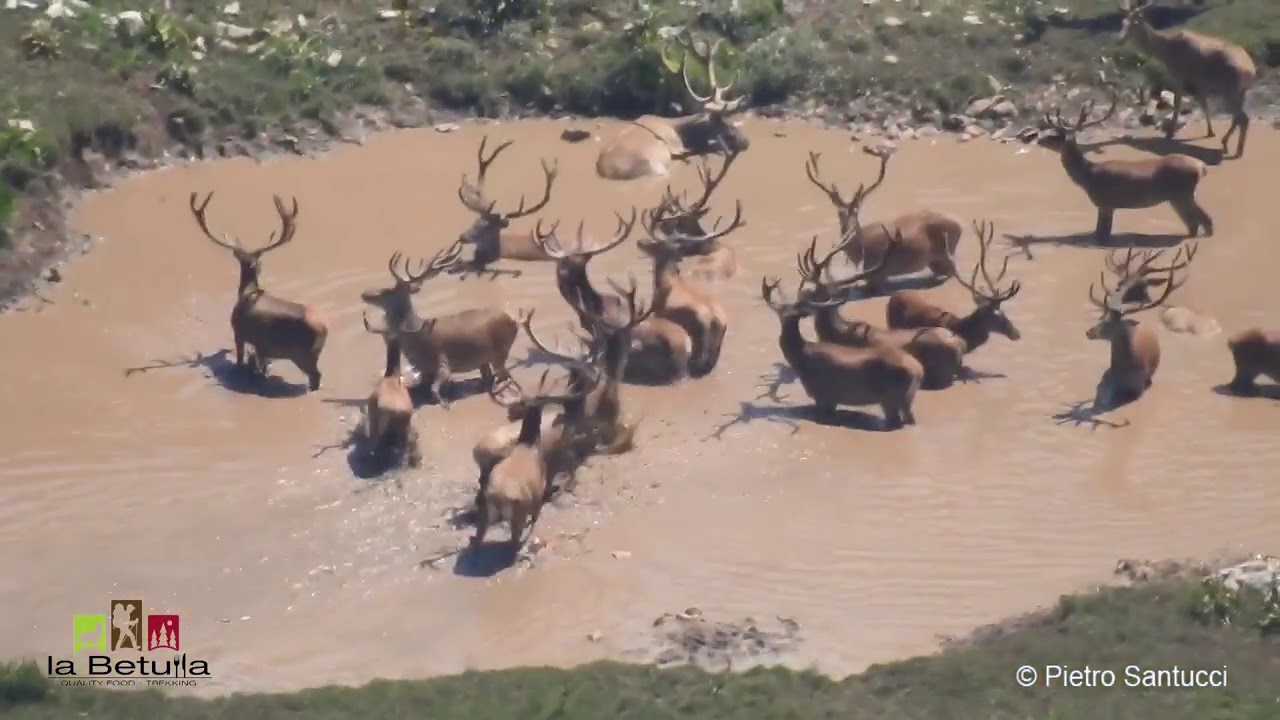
[
  {"x": 272, "y": 328},
  {"x": 834, "y": 374},
  {"x": 648, "y": 145},
  {"x": 1201, "y": 65},
  {"x": 491, "y": 235},
  {"x": 713, "y": 260},
  {"x": 928, "y": 237},
  {"x": 1255, "y": 352},
  {"x": 913, "y": 309},
  {"x": 940, "y": 351},
  {"x": 1135, "y": 346},
  {"x": 389, "y": 412},
  {"x": 1127, "y": 184},
  {"x": 440, "y": 347}
]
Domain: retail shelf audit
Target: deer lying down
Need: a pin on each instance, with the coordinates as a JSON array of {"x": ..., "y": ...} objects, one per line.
[
  {"x": 389, "y": 412},
  {"x": 491, "y": 234},
  {"x": 1127, "y": 184},
  {"x": 516, "y": 486},
  {"x": 1255, "y": 352},
  {"x": 913, "y": 309},
  {"x": 834, "y": 375},
  {"x": 271, "y": 327},
  {"x": 648, "y": 145},
  {"x": 940, "y": 351},
  {"x": 1135, "y": 346}
]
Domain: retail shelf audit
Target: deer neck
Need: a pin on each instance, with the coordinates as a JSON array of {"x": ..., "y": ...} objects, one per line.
[
  {"x": 401, "y": 311},
  {"x": 792, "y": 342},
  {"x": 249, "y": 287},
  {"x": 971, "y": 328},
  {"x": 531, "y": 426},
  {"x": 1122, "y": 344},
  {"x": 393, "y": 359},
  {"x": 666, "y": 273},
  {"x": 576, "y": 287},
  {"x": 1079, "y": 168},
  {"x": 1150, "y": 40},
  {"x": 828, "y": 323}
]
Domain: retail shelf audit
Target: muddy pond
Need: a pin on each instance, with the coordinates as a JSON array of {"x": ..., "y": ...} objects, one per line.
[{"x": 288, "y": 571}]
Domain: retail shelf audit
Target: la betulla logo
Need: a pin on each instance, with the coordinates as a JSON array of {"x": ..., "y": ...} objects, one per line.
[{"x": 122, "y": 629}]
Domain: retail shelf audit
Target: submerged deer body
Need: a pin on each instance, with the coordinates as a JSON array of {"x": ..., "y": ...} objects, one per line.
[
  {"x": 646, "y": 146},
  {"x": 389, "y": 411},
  {"x": 1128, "y": 184},
  {"x": 491, "y": 235},
  {"x": 1203, "y": 67},
  {"x": 834, "y": 374},
  {"x": 440, "y": 347},
  {"x": 913, "y": 309},
  {"x": 271, "y": 327},
  {"x": 1255, "y": 352},
  {"x": 714, "y": 259}
]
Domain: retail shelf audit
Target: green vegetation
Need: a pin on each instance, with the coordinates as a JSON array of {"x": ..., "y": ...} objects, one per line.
[{"x": 1157, "y": 625}]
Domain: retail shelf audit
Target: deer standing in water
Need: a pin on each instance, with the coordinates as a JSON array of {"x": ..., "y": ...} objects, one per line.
[
  {"x": 648, "y": 145},
  {"x": 1255, "y": 352},
  {"x": 1135, "y": 346},
  {"x": 1127, "y": 184},
  {"x": 940, "y": 351},
  {"x": 389, "y": 411},
  {"x": 440, "y": 347},
  {"x": 929, "y": 238},
  {"x": 913, "y": 309},
  {"x": 271, "y": 327},
  {"x": 1203, "y": 67},
  {"x": 491, "y": 234},
  {"x": 834, "y": 374},
  {"x": 713, "y": 260}
]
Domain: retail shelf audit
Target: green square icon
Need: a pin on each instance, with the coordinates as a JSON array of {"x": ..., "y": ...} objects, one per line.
[{"x": 89, "y": 633}]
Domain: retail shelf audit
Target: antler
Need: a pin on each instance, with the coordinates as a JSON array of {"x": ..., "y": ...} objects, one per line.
[
  {"x": 660, "y": 230},
  {"x": 637, "y": 312},
  {"x": 767, "y": 289},
  {"x": 501, "y": 390},
  {"x": 846, "y": 209},
  {"x": 992, "y": 294},
  {"x": 811, "y": 269},
  {"x": 198, "y": 210},
  {"x": 551, "y": 245},
  {"x": 288, "y": 225},
  {"x": 1129, "y": 276},
  {"x": 677, "y": 205},
  {"x": 715, "y": 102},
  {"x": 526, "y": 322},
  {"x": 438, "y": 263},
  {"x": 1056, "y": 122},
  {"x": 472, "y": 195}
]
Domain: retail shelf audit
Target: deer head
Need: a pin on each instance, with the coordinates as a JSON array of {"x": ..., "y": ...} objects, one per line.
[
  {"x": 583, "y": 250},
  {"x": 1133, "y": 14},
  {"x": 250, "y": 260},
  {"x": 508, "y": 393},
  {"x": 714, "y": 109},
  {"x": 681, "y": 216},
  {"x": 1062, "y": 134},
  {"x": 395, "y": 300},
  {"x": 488, "y": 221},
  {"x": 784, "y": 310},
  {"x": 988, "y": 297},
  {"x": 1110, "y": 301},
  {"x": 847, "y": 211},
  {"x": 816, "y": 287},
  {"x": 664, "y": 242}
]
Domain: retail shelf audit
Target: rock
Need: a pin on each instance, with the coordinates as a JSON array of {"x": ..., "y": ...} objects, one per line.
[
  {"x": 53, "y": 275},
  {"x": 620, "y": 554},
  {"x": 235, "y": 32},
  {"x": 954, "y": 123},
  {"x": 1028, "y": 134},
  {"x": 446, "y": 127},
  {"x": 129, "y": 23},
  {"x": 892, "y": 21},
  {"x": 997, "y": 107},
  {"x": 972, "y": 20},
  {"x": 574, "y": 135},
  {"x": 926, "y": 131},
  {"x": 595, "y": 636},
  {"x": 891, "y": 59},
  {"x": 1262, "y": 573}
]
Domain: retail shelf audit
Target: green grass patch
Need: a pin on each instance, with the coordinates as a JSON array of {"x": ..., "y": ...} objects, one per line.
[{"x": 1166, "y": 623}]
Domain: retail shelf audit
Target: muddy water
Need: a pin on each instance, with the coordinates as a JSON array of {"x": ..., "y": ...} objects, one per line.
[{"x": 287, "y": 571}]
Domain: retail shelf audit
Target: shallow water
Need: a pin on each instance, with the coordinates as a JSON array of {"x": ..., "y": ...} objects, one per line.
[{"x": 289, "y": 572}]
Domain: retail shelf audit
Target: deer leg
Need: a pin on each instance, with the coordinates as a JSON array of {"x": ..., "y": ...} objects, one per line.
[
  {"x": 1102, "y": 230},
  {"x": 1240, "y": 121},
  {"x": 438, "y": 381},
  {"x": 517, "y": 527},
  {"x": 1203, "y": 102},
  {"x": 482, "y": 519},
  {"x": 1243, "y": 382},
  {"x": 1193, "y": 216},
  {"x": 309, "y": 366},
  {"x": 1171, "y": 124}
]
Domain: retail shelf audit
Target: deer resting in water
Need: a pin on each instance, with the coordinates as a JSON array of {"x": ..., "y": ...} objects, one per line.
[
  {"x": 712, "y": 260},
  {"x": 272, "y": 328},
  {"x": 1203, "y": 67},
  {"x": 491, "y": 234},
  {"x": 389, "y": 412},
  {"x": 1135, "y": 346},
  {"x": 913, "y": 309},
  {"x": 1127, "y": 184},
  {"x": 929, "y": 238},
  {"x": 834, "y": 374},
  {"x": 440, "y": 347},
  {"x": 940, "y": 351},
  {"x": 647, "y": 145},
  {"x": 1255, "y": 352}
]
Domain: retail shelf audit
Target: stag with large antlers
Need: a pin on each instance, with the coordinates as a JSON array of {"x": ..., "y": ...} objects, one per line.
[
  {"x": 1135, "y": 346},
  {"x": 271, "y": 327},
  {"x": 491, "y": 235},
  {"x": 440, "y": 347},
  {"x": 929, "y": 238},
  {"x": 913, "y": 309},
  {"x": 389, "y": 411},
  {"x": 1255, "y": 352},
  {"x": 834, "y": 374},
  {"x": 648, "y": 145},
  {"x": 940, "y": 351},
  {"x": 712, "y": 260},
  {"x": 1127, "y": 184},
  {"x": 1203, "y": 66}
]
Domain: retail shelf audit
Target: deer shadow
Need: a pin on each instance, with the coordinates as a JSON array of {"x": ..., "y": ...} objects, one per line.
[
  {"x": 373, "y": 463},
  {"x": 486, "y": 559},
  {"x": 1265, "y": 392},
  {"x": 219, "y": 365},
  {"x": 915, "y": 281},
  {"x": 1085, "y": 412},
  {"x": 789, "y": 415},
  {"x": 1089, "y": 240},
  {"x": 1162, "y": 147},
  {"x": 969, "y": 374},
  {"x": 453, "y": 389}
]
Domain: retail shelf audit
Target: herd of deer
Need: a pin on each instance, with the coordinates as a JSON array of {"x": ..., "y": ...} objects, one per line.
[{"x": 681, "y": 332}]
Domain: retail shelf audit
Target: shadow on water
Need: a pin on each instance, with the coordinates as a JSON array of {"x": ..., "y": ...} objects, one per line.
[
  {"x": 1265, "y": 392},
  {"x": 375, "y": 464},
  {"x": 919, "y": 281},
  {"x": 1085, "y": 412},
  {"x": 1089, "y": 240},
  {"x": 224, "y": 371},
  {"x": 788, "y": 415},
  {"x": 1164, "y": 147},
  {"x": 454, "y": 390}
]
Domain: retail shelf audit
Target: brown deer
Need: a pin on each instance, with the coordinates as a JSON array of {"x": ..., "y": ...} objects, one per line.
[
  {"x": 940, "y": 351},
  {"x": 516, "y": 487},
  {"x": 834, "y": 374},
  {"x": 709, "y": 261},
  {"x": 913, "y": 309},
  {"x": 929, "y": 238},
  {"x": 648, "y": 145},
  {"x": 272, "y": 328},
  {"x": 1255, "y": 352},
  {"x": 681, "y": 301},
  {"x": 1203, "y": 67},
  {"x": 491, "y": 234},
  {"x": 389, "y": 412},
  {"x": 440, "y": 347},
  {"x": 1127, "y": 184},
  {"x": 1135, "y": 346}
]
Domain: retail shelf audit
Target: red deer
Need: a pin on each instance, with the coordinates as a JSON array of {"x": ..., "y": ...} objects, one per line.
[
  {"x": 389, "y": 412},
  {"x": 1135, "y": 346},
  {"x": 440, "y": 347},
  {"x": 1255, "y": 352},
  {"x": 647, "y": 145},
  {"x": 710, "y": 261},
  {"x": 491, "y": 234},
  {"x": 1127, "y": 184},
  {"x": 940, "y": 351},
  {"x": 1203, "y": 67},
  {"x": 834, "y": 375},
  {"x": 912, "y": 308},
  {"x": 272, "y": 328}
]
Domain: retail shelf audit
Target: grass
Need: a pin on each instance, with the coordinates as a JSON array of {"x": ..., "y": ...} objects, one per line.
[{"x": 1171, "y": 621}]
